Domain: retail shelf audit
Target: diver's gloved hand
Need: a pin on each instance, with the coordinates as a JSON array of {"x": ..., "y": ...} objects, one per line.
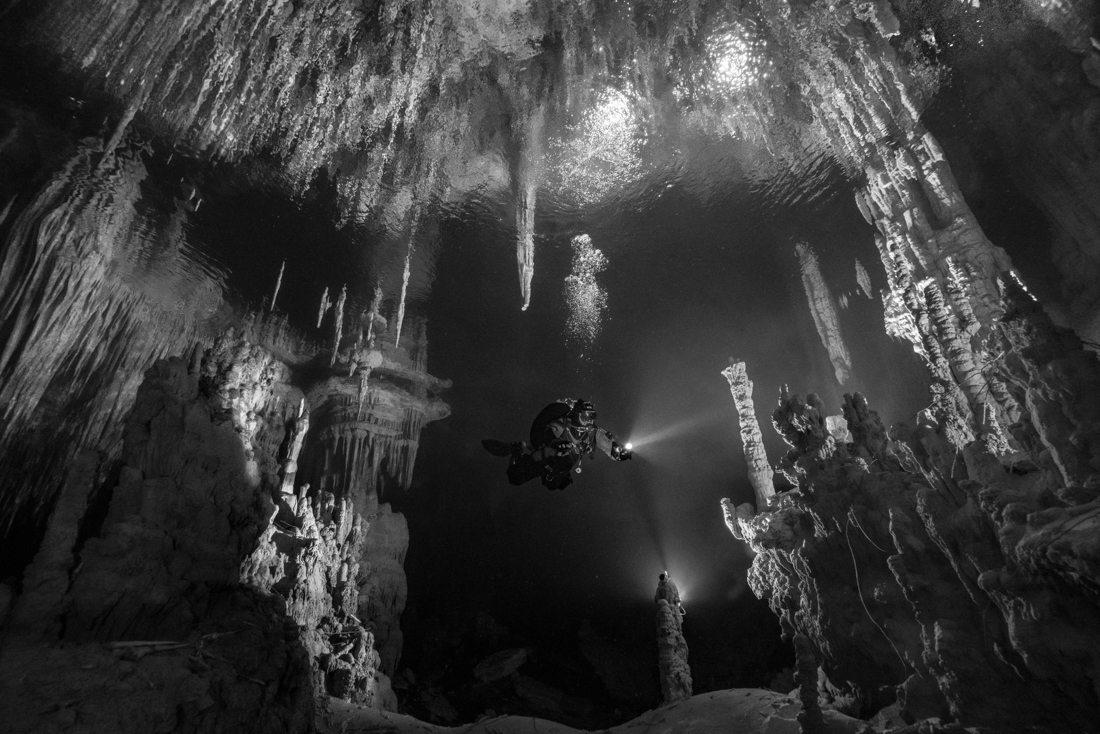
[{"x": 621, "y": 453}]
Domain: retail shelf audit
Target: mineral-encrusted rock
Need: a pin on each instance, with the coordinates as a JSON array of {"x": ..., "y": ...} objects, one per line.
[{"x": 966, "y": 577}]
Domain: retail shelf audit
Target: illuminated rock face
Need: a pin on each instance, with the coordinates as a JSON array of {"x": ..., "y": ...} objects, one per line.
[{"x": 966, "y": 577}]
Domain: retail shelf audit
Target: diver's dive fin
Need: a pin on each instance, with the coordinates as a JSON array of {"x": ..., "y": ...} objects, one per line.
[{"x": 497, "y": 448}]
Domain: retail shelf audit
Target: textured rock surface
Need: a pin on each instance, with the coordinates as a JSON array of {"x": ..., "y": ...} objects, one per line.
[{"x": 962, "y": 575}]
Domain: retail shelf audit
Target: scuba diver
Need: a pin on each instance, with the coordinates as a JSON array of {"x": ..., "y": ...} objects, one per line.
[{"x": 560, "y": 435}]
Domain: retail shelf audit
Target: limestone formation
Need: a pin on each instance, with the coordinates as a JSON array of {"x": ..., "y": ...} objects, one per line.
[
  {"x": 823, "y": 310},
  {"x": 965, "y": 576},
  {"x": 672, "y": 649},
  {"x": 752, "y": 441}
]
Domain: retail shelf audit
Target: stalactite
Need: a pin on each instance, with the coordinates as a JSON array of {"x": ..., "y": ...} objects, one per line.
[
  {"x": 339, "y": 326},
  {"x": 278, "y": 284},
  {"x": 404, "y": 294},
  {"x": 326, "y": 304},
  {"x": 760, "y": 471},
  {"x": 824, "y": 312},
  {"x": 529, "y": 172},
  {"x": 863, "y": 279}
]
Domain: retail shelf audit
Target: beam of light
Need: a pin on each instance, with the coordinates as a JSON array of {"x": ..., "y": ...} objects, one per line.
[{"x": 639, "y": 439}]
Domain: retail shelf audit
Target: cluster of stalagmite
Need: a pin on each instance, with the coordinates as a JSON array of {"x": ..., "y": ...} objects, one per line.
[{"x": 919, "y": 562}]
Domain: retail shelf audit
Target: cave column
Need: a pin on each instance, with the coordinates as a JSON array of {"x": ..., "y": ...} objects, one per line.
[
  {"x": 760, "y": 471},
  {"x": 672, "y": 649}
]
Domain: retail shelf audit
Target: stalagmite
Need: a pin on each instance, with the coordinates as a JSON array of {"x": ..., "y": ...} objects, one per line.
[
  {"x": 672, "y": 649},
  {"x": 824, "y": 312},
  {"x": 278, "y": 284},
  {"x": 863, "y": 279},
  {"x": 760, "y": 471},
  {"x": 339, "y": 324},
  {"x": 326, "y": 304}
]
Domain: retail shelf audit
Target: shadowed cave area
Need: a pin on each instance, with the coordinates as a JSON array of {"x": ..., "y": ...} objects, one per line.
[{"x": 821, "y": 279}]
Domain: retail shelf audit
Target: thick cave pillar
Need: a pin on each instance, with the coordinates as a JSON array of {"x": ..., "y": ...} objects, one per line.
[
  {"x": 364, "y": 438},
  {"x": 672, "y": 649},
  {"x": 760, "y": 471}
]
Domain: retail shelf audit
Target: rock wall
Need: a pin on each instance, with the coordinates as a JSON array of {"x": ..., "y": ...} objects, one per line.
[
  {"x": 964, "y": 578},
  {"x": 90, "y": 284}
]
